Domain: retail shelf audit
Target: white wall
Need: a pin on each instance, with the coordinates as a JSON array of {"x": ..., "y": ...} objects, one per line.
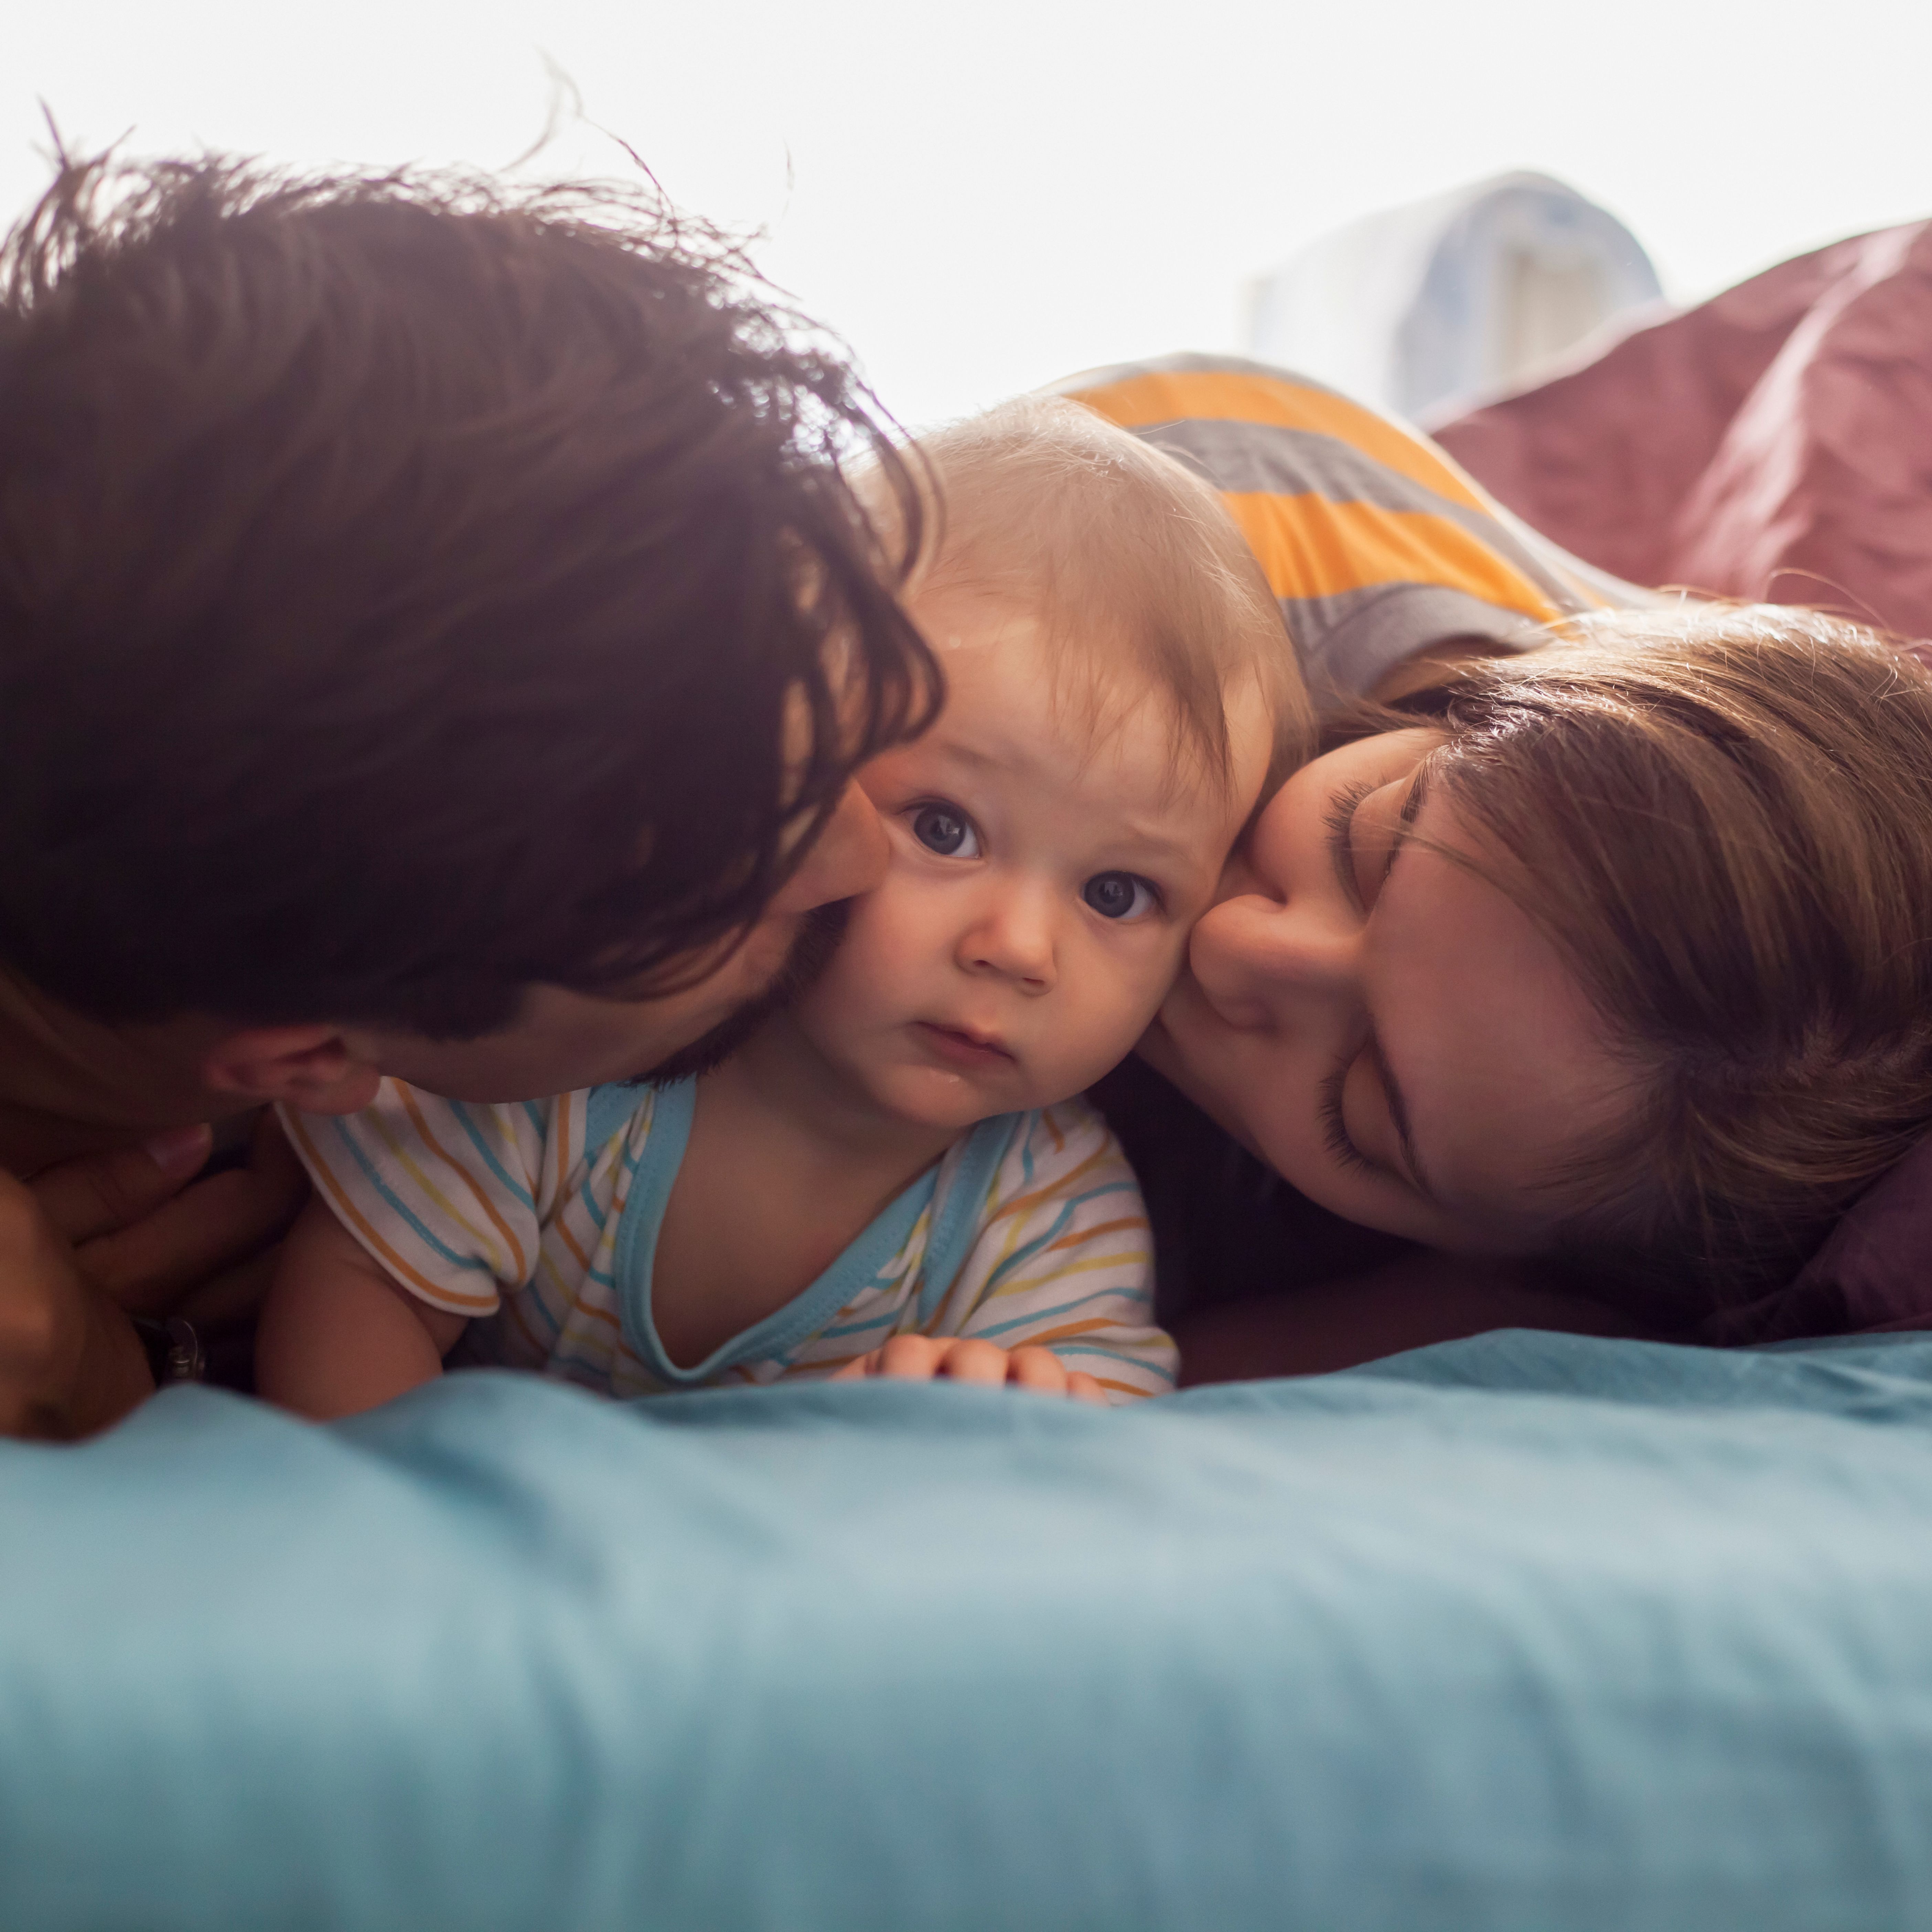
[{"x": 984, "y": 196}]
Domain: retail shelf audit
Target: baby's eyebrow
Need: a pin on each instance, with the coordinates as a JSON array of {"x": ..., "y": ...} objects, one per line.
[{"x": 1133, "y": 832}]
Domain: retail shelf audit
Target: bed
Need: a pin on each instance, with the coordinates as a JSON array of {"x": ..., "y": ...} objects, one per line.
[
  {"x": 1524, "y": 1631},
  {"x": 1510, "y": 1634}
]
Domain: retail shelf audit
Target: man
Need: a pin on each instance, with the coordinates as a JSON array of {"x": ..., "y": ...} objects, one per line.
[{"x": 436, "y": 638}]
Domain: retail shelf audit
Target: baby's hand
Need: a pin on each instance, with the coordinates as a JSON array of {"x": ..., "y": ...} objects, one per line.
[{"x": 923, "y": 1358}]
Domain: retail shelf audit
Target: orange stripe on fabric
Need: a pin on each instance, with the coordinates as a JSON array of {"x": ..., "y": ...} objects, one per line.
[
  {"x": 483, "y": 1200},
  {"x": 1057, "y": 1278},
  {"x": 346, "y": 1209},
  {"x": 1137, "y": 1223},
  {"x": 1011, "y": 1211},
  {"x": 569, "y": 1240},
  {"x": 1308, "y": 546},
  {"x": 1072, "y": 1331},
  {"x": 1062, "y": 1184},
  {"x": 1229, "y": 396},
  {"x": 597, "y": 1312}
]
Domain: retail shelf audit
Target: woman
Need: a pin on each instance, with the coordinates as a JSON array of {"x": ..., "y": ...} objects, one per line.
[
  {"x": 1392, "y": 569},
  {"x": 1615, "y": 956}
]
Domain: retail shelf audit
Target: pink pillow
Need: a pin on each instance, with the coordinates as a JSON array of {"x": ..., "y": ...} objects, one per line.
[
  {"x": 1775, "y": 443},
  {"x": 1874, "y": 1272}
]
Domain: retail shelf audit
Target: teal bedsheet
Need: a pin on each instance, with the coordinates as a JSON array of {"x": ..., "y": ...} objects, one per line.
[{"x": 1529, "y": 1631}]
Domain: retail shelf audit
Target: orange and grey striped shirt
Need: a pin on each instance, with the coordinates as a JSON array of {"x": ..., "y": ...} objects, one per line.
[
  {"x": 540, "y": 1220},
  {"x": 1376, "y": 544}
]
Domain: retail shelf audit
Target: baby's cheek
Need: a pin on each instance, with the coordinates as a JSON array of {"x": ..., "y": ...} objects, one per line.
[
  {"x": 886, "y": 950},
  {"x": 1116, "y": 1005},
  {"x": 1152, "y": 976}
]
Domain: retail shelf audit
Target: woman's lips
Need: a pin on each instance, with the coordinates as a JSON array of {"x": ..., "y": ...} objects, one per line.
[{"x": 962, "y": 1048}]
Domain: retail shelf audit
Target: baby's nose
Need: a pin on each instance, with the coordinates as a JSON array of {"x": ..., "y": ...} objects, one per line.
[{"x": 1015, "y": 941}]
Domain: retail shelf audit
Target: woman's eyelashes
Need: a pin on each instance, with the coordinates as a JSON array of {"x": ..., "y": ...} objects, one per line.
[
  {"x": 1334, "y": 1126},
  {"x": 946, "y": 829},
  {"x": 1339, "y": 819}
]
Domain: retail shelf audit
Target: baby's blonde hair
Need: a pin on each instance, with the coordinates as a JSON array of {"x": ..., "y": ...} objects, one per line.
[{"x": 1043, "y": 507}]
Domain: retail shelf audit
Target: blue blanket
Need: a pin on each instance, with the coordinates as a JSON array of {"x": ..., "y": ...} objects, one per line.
[{"x": 1530, "y": 1632}]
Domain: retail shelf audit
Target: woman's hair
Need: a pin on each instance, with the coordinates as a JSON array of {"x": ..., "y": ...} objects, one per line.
[
  {"x": 412, "y": 589},
  {"x": 1722, "y": 816},
  {"x": 1126, "y": 556}
]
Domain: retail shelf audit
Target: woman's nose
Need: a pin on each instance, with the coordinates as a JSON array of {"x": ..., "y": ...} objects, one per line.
[
  {"x": 1257, "y": 960},
  {"x": 1014, "y": 938}
]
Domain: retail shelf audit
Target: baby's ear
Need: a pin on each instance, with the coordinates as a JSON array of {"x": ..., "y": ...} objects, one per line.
[{"x": 311, "y": 1068}]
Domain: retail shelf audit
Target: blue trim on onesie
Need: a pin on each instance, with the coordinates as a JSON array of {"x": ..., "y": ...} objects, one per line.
[
  {"x": 811, "y": 1310},
  {"x": 956, "y": 1226},
  {"x": 607, "y": 1111}
]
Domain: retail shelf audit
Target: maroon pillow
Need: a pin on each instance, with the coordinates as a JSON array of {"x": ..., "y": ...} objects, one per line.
[
  {"x": 1873, "y": 1272},
  {"x": 1774, "y": 442}
]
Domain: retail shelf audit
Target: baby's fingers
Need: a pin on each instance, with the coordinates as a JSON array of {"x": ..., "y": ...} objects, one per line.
[
  {"x": 1042, "y": 1372},
  {"x": 972, "y": 1361},
  {"x": 923, "y": 1358},
  {"x": 1039, "y": 1370},
  {"x": 910, "y": 1358}
]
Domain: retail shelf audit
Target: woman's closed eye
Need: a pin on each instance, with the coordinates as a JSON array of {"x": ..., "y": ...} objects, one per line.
[
  {"x": 946, "y": 829},
  {"x": 1340, "y": 820},
  {"x": 1121, "y": 895},
  {"x": 1363, "y": 864},
  {"x": 1334, "y": 1125},
  {"x": 1331, "y": 1115}
]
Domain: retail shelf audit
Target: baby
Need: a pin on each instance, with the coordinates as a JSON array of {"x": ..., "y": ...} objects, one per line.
[{"x": 895, "y": 1173}]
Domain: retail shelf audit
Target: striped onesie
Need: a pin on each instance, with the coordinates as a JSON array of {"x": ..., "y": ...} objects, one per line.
[
  {"x": 1375, "y": 544},
  {"x": 540, "y": 1219}
]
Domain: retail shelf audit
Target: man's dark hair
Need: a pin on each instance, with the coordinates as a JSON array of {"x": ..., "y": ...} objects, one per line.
[{"x": 411, "y": 590}]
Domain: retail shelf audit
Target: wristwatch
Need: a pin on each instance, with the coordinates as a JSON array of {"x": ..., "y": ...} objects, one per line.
[{"x": 175, "y": 1353}]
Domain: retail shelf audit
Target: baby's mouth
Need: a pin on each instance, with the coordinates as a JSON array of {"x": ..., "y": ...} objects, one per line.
[{"x": 963, "y": 1048}]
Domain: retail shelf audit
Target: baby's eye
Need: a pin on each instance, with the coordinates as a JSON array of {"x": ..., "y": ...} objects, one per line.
[
  {"x": 941, "y": 830},
  {"x": 1119, "y": 895}
]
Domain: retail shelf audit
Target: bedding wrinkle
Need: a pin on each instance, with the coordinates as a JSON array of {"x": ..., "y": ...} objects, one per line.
[{"x": 1526, "y": 1632}]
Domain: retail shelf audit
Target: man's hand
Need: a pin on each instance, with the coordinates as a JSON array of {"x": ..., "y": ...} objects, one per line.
[
  {"x": 70, "y": 1360},
  {"x": 104, "y": 1234},
  {"x": 141, "y": 1234},
  {"x": 925, "y": 1358}
]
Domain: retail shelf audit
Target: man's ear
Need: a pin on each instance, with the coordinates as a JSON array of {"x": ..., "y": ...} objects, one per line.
[{"x": 309, "y": 1067}]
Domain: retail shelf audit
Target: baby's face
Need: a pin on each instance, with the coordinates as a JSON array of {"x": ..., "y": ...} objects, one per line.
[{"x": 1041, "y": 888}]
